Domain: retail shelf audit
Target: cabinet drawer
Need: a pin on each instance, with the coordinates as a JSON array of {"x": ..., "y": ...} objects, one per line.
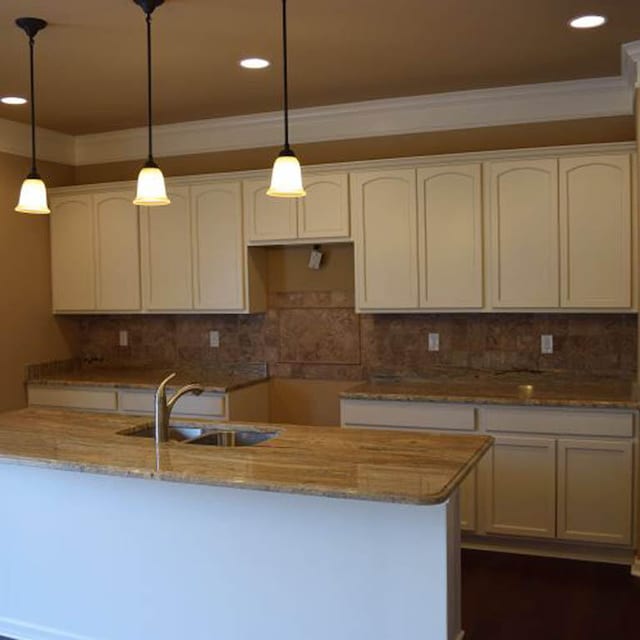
[
  {"x": 95, "y": 399},
  {"x": 408, "y": 415},
  {"x": 557, "y": 421},
  {"x": 206, "y": 405}
]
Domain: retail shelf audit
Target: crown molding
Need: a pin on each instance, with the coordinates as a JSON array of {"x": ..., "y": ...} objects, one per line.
[
  {"x": 631, "y": 63},
  {"x": 591, "y": 98},
  {"x": 15, "y": 138}
]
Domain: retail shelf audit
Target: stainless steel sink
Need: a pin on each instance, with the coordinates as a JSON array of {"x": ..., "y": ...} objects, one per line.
[
  {"x": 217, "y": 436},
  {"x": 177, "y": 432},
  {"x": 234, "y": 438}
]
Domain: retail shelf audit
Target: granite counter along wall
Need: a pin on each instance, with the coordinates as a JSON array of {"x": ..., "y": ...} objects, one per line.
[{"x": 316, "y": 345}]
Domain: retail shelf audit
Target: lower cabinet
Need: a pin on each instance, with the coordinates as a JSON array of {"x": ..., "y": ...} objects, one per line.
[
  {"x": 519, "y": 477},
  {"x": 248, "y": 403},
  {"x": 552, "y": 473},
  {"x": 595, "y": 482}
]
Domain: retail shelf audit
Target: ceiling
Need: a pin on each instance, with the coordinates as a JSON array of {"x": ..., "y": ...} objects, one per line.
[{"x": 91, "y": 60}]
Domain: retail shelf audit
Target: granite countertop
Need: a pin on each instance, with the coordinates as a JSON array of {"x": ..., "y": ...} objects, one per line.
[
  {"x": 407, "y": 467},
  {"x": 130, "y": 378},
  {"x": 513, "y": 388}
]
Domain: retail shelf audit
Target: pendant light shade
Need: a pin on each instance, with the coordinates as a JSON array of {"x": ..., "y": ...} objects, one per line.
[
  {"x": 286, "y": 176},
  {"x": 151, "y": 190},
  {"x": 33, "y": 193},
  {"x": 33, "y": 196}
]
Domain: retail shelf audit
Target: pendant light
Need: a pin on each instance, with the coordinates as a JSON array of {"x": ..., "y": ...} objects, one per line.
[
  {"x": 151, "y": 191},
  {"x": 286, "y": 177},
  {"x": 33, "y": 193}
]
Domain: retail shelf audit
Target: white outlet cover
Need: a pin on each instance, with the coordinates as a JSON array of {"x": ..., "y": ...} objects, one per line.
[
  {"x": 434, "y": 342},
  {"x": 546, "y": 343},
  {"x": 123, "y": 338},
  {"x": 214, "y": 339}
]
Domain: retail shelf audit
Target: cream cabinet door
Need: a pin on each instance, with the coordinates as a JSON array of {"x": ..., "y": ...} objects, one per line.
[
  {"x": 519, "y": 487},
  {"x": 218, "y": 250},
  {"x": 324, "y": 211},
  {"x": 73, "y": 264},
  {"x": 117, "y": 252},
  {"x": 523, "y": 197},
  {"x": 166, "y": 254},
  {"x": 383, "y": 204},
  {"x": 595, "y": 215},
  {"x": 595, "y": 480},
  {"x": 268, "y": 218},
  {"x": 450, "y": 236}
]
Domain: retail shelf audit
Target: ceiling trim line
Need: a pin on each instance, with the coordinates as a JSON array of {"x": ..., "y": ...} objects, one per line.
[
  {"x": 53, "y": 146},
  {"x": 570, "y": 100}
]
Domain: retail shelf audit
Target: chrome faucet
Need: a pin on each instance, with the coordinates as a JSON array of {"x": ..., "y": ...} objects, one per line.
[{"x": 163, "y": 406}]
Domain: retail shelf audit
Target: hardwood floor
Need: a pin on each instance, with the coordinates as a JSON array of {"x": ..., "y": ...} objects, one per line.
[
  {"x": 507, "y": 597},
  {"x": 512, "y": 597}
]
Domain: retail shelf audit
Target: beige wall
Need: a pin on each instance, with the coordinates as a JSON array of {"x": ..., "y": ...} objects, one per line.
[{"x": 28, "y": 331}]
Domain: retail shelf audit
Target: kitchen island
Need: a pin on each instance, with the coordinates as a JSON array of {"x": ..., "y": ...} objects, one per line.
[{"x": 335, "y": 534}]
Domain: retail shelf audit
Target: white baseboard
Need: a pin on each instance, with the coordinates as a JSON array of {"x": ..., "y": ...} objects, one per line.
[
  {"x": 635, "y": 567},
  {"x": 550, "y": 549},
  {"x": 20, "y": 630}
]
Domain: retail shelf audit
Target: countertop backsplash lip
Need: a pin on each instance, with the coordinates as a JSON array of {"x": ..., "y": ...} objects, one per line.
[
  {"x": 558, "y": 388},
  {"x": 217, "y": 378}
]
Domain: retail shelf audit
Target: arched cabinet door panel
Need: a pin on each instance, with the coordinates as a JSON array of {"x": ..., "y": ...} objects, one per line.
[
  {"x": 596, "y": 231},
  {"x": 523, "y": 207},
  {"x": 450, "y": 236},
  {"x": 383, "y": 205}
]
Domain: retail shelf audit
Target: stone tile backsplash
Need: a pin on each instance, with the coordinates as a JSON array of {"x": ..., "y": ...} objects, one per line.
[{"x": 318, "y": 335}]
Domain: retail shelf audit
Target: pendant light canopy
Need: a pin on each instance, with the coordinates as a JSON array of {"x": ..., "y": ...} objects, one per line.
[
  {"x": 33, "y": 194},
  {"x": 286, "y": 177},
  {"x": 151, "y": 191}
]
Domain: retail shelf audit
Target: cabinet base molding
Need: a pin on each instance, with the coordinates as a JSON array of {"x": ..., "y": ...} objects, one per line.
[
  {"x": 551, "y": 549},
  {"x": 635, "y": 567}
]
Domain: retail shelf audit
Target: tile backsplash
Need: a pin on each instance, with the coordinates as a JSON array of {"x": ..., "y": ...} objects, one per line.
[{"x": 318, "y": 335}]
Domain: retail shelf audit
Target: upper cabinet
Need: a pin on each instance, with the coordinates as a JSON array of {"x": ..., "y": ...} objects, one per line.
[
  {"x": 596, "y": 231},
  {"x": 95, "y": 260},
  {"x": 193, "y": 255},
  {"x": 323, "y": 214},
  {"x": 450, "y": 236},
  {"x": 523, "y": 209},
  {"x": 385, "y": 218},
  {"x": 166, "y": 254}
]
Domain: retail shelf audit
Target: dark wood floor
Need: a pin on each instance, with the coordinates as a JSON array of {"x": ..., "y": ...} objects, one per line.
[
  {"x": 511, "y": 597},
  {"x": 506, "y": 596}
]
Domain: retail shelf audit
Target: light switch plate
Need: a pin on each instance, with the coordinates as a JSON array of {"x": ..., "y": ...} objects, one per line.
[
  {"x": 546, "y": 343},
  {"x": 434, "y": 342},
  {"x": 123, "y": 338},
  {"x": 214, "y": 339}
]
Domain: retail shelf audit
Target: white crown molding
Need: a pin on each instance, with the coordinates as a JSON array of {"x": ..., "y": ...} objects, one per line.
[
  {"x": 15, "y": 138},
  {"x": 570, "y": 100},
  {"x": 631, "y": 63}
]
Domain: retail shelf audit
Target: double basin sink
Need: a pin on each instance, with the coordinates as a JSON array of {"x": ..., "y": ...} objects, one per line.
[{"x": 217, "y": 436}]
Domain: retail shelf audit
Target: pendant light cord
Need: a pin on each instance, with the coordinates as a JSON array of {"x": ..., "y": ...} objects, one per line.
[
  {"x": 285, "y": 75},
  {"x": 149, "y": 111},
  {"x": 34, "y": 171}
]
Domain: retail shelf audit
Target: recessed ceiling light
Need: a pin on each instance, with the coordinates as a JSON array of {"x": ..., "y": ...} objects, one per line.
[
  {"x": 254, "y": 63},
  {"x": 12, "y": 100},
  {"x": 587, "y": 22}
]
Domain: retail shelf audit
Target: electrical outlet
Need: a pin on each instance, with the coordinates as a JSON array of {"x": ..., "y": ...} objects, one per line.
[
  {"x": 214, "y": 339},
  {"x": 123, "y": 338},
  {"x": 434, "y": 342},
  {"x": 546, "y": 343}
]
